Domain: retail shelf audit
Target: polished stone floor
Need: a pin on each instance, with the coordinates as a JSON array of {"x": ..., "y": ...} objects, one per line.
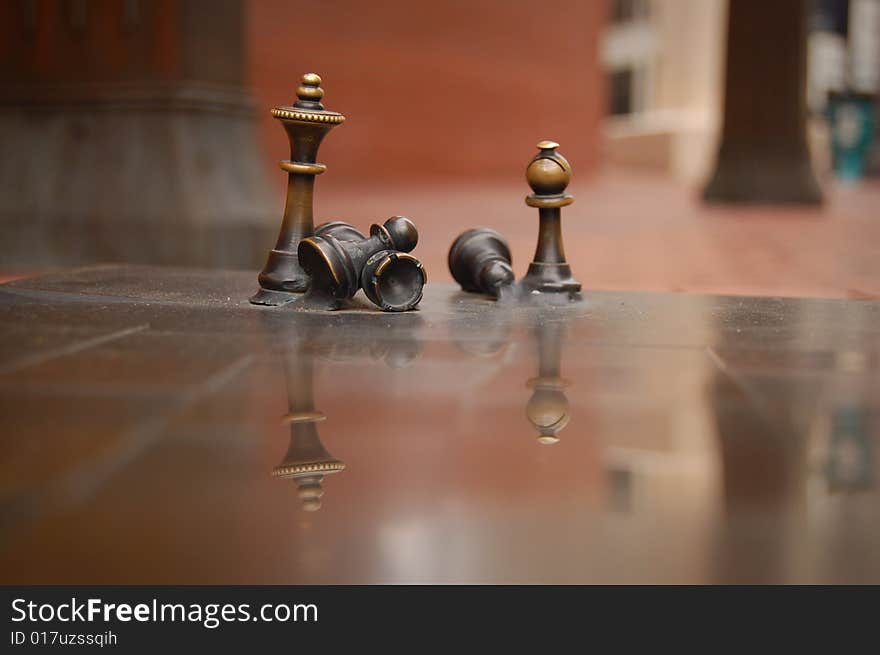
[{"x": 156, "y": 428}]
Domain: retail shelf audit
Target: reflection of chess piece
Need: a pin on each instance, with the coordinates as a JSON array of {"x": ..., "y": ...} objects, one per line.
[
  {"x": 306, "y": 123},
  {"x": 478, "y": 332},
  {"x": 306, "y": 461},
  {"x": 548, "y": 409},
  {"x": 397, "y": 342},
  {"x": 549, "y": 174},
  {"x": 390, "y": 278},
  {"x": 479, "y": 260}
]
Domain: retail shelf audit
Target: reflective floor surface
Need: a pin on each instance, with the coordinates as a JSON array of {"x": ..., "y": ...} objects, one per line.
[{"x": 156, "y": 428}]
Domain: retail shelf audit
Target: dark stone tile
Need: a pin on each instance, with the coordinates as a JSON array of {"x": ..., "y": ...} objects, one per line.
[{"x": 634, "y": 437}]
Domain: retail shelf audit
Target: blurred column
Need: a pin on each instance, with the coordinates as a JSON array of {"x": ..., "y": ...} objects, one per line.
[
  {"x": 128, "y": 135},
  {"x": 763, "y": 157}
]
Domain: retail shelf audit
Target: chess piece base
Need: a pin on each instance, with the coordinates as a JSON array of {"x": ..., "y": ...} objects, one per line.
[
  {"x": 272, "y": 298},
  {"x": 311, "y": 301},
  {"x": 550, "y": 278},
  {"x": 284, "y": 281}
]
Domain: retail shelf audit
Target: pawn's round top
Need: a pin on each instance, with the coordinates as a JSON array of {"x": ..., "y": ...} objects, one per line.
[
  {"x": 546, "y": 144},
  {"x": 548, "y": 172},
  {"x": 403, "y": 233}
]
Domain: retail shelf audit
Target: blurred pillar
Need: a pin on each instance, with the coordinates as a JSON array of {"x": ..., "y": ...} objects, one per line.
[
  {"x": 763, "y": 157},
  {"x": 128, "y": 135}
]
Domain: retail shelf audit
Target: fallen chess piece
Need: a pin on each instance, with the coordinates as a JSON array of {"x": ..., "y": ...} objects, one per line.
[
  {"x": 480, "y": 260},
  {"x": 379, "y": 264}
]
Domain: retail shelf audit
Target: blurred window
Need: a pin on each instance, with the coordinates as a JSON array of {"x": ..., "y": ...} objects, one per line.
[
  {"x": 620, "y": 92},
  {"x": 829, "y": 16},
  {"x": 623, "y": 11}
]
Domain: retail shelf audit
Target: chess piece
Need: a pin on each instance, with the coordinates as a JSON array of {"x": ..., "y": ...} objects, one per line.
[
  {"x": 548, "y": 409},
  {"x": 306, "y": 122},
  {"x": 480, "y": 261},
  {"x": 548, "y": 174},
  {"x": 390, "y": 278},
  {"x": 307, "y": 461}
]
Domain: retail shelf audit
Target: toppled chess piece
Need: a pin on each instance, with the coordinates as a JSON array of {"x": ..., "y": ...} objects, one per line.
[
  {"x": 306, "y": 122},
  {"x": 380, "y": 265},
  {"x": 548, "y": 174},
  {"x": 480, "y": 261}
]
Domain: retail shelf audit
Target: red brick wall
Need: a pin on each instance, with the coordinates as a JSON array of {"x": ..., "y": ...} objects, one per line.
[{"x": 433, "y": 90}]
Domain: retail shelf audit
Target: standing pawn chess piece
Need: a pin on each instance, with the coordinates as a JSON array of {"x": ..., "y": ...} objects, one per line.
[
  {"x": 307, "y": 461},
  {"x": 548, "y": 174},
  {"x": 480, "y": 262},
  {"x": 379, "y": 265},
  {"x": 306, "y": 122},
  {"x": 548, "y": 409}
]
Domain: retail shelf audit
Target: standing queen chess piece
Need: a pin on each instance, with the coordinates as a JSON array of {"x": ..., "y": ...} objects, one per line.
[
  {"x": 548, "y": 174},
  {"x": 306, "y": 123}
]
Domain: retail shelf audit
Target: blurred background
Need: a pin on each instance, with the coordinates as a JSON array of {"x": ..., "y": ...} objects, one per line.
[{"x": 722, "y": 146}]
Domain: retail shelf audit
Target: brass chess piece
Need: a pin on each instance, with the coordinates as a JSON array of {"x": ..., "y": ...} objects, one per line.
[
  {"x": 549, "y": 173},
  {"x": 480, "y": 261},
  {"x": 379, "y": 264},
  {"x": 306, "y": 122}
]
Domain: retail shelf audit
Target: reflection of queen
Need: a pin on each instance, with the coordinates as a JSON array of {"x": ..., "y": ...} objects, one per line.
[{"x": 307, "y": 461}]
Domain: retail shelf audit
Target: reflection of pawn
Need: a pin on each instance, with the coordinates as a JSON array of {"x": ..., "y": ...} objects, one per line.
[
  {"x": 379, "y": 264},
  {"x": 479, "y": 260},
  {"x": 547, "y": 409},
  {"x": 549, "y": 174},
  {"x": 306, "y": 461},
  {"x": 306, "y": 122}
]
